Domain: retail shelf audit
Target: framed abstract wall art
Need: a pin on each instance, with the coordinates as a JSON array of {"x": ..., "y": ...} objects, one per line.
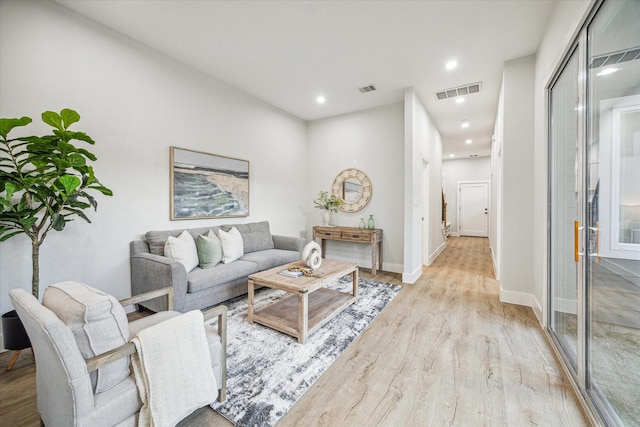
[{"x": 206, "y": 185}]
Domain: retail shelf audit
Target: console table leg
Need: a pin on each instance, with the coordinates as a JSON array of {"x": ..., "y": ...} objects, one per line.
[{"x": 374, "y": 247}]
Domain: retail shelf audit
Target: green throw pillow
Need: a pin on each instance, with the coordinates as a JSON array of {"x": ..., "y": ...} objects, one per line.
[{"x": 209, "y": 250}]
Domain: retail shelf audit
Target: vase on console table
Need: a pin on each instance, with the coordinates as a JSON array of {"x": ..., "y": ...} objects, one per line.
[
  {"x": 371, "y": 223},
  {"x": 326, "y": 217}
]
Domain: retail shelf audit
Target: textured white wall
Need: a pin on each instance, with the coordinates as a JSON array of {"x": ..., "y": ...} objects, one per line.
[
  {"x": 516, "y": 269},
  {"x": 423, "y": 145},
  {"x": 454, "y": 171},
  {"x": 135, "y": 103},
  {"x": 371, "y": 140},
  {"x": 496, "y": 187}
]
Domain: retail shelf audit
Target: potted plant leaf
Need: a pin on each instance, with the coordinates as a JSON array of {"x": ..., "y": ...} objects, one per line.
[{"x": 45, "y": 182}]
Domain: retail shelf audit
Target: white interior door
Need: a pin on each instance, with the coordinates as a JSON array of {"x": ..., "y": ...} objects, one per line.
[{"x": 473, "y": 208}]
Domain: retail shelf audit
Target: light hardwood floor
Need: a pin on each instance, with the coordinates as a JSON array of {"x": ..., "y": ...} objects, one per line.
[{"x": 444, "y": 352}]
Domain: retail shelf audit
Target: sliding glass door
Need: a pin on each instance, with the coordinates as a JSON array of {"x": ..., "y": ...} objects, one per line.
[
  {"x": 613, "y": 261},
  {"x": 565, "y": 271},
  {"x": 594, "y": 215}
]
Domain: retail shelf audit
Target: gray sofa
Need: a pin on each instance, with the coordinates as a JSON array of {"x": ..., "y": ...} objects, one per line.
[{"x": 201, "y": 288}]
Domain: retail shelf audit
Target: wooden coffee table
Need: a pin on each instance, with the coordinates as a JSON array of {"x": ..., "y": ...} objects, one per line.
[{"x": 311, "y": 304}]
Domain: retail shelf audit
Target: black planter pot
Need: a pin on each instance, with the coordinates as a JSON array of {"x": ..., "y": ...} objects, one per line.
[{"x": 14, "y": 335}]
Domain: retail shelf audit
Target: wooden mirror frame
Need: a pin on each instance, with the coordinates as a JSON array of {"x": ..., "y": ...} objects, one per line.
[{"x": 338, "y": 189}]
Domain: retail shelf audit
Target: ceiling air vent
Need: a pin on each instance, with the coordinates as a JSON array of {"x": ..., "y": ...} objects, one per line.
[
  {"x": 615, "y": 57},
  {"x": 458, "y": 91},
  {"x": 368, "y": 88}
]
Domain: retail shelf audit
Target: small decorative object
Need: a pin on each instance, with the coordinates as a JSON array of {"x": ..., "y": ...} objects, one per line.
[
  {"x": 295, "y": 269},
  {"x": 312, "y": 255},
  {"x": 362, "y": 225},
  {"x": 354, "y": 187},
  {"x": 329, "y": 203},
  {"x": 326, "y": 218},
  {"x": 372, "y": 224}
]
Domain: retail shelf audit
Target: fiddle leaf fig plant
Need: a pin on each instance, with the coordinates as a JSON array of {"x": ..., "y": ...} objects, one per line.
[{"x": 45, "y": 181}]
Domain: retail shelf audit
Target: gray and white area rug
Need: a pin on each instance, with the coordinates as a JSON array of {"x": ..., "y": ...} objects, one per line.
[{"x": 267, "y": 371}]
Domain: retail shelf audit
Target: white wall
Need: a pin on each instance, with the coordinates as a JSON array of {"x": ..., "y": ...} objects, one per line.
[
  {"x": 423, "y": 145},
  {"x": 457, "y": 170},
  {"x": 564, "y": 23},
  {"x": 516, "y": 235},
  {"x": 371, "y": 140},
  {"x": 495, "y": 219},
  {"x": 135, "y": 103}
]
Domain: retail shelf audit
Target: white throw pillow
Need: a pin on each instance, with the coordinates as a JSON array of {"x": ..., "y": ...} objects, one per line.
[
  {"x": 232, "y": 245},
  {"x": 182, "y": 249}
]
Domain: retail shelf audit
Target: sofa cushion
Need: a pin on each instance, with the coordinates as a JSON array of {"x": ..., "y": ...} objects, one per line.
[
  {"x": 199, "y": 279},
  {"x": 271, "y": 258},
  {"x": 256, "y": 236},
  {"x": 209, "y": 250},
  {"x": 98, "y": 322},
  {"x": 157, "y": 239},
  {"x": 182, "y": 249},
  {"x": 232, "y": 246}
]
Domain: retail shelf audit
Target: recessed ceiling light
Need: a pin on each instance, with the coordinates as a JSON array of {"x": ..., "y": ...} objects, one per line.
[
  {"x": 459, "y": 100},
  {"x": 452, "y": 155},
  {"x": 465, "y": 124},
  {"x": 608, "y": 71},
  {"x": 451, "y": 64},
  {"x": 320, "y": 99},
  {"x": 468, "y": 141}
]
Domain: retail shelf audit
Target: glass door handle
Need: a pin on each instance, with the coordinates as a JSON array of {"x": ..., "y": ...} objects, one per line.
[
  {"x": 576, "y": 241},
  {"x": 596, "y": 249}
]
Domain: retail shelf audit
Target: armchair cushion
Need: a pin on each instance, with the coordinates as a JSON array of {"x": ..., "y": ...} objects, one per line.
[{"x": 98, "y": 322}]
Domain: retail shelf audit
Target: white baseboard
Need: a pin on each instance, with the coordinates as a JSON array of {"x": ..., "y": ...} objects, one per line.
[
  {"x": 527, "y": 300},
  {"x": 437, "y": 252},
  {"x": 386, "y": 266},
  {"x": 495, "y": 264},
  {"x": 518, "y": 298},
  {"x": 537, "y": 310},
  {"x": 412, "y": 277}
]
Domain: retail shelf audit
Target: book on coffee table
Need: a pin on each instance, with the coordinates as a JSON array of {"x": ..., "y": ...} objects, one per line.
[{"x": 291, "y": 273}]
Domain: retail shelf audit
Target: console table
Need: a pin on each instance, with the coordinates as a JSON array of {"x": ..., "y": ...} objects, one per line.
[{"x": 354, "y": 235}]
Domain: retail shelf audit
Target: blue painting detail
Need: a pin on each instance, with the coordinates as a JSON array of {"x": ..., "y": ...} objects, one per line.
[{"x": 203, "y": 187}]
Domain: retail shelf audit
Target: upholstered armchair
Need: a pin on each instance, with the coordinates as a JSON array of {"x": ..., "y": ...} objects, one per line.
[{"x": 73, "y": 390}]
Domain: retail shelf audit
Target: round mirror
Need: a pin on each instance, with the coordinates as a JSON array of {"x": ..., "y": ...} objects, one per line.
[{"x": 354, "y": 187}]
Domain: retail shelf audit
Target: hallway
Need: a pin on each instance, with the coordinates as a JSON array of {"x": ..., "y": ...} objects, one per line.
[{"x": 446, "y": 352}]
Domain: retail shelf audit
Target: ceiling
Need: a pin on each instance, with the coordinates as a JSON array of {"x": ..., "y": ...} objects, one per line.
[{"x": 287, "y": 53}]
